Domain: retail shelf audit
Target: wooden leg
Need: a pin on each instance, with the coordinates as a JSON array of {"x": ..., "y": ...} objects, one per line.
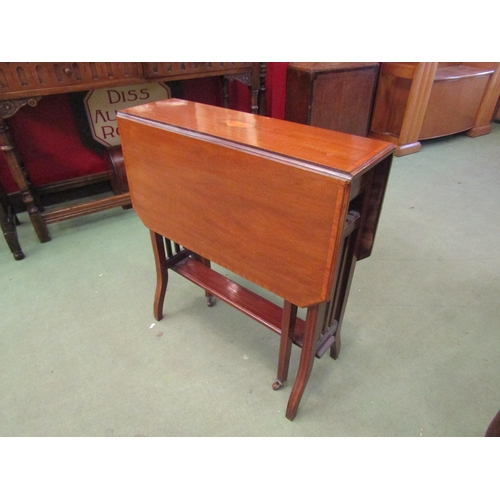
[
  {"x": 418, "y": 98},
  {"x": 8, "y": 222},
  {"x": 8, "y": 148},
  {"x": 262, "y": 91},
  {"x": 161, "y": 274},
  {"x": 342, "y": 289},
  {"x": 287, "y": 329},
  {"x": 117, "y": 177},
  {"x": 210, "y": 298},
  {"x": 314, "y": 323},
  {"x": 341, "y": 305},
  {"x": 225, "y": 92}
]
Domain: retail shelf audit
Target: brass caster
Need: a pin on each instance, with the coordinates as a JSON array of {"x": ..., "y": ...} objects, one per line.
[{"x": 277, "y": 385}]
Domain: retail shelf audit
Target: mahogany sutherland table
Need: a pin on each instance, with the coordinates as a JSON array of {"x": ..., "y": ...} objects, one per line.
[{"x": 286, "y": 206}]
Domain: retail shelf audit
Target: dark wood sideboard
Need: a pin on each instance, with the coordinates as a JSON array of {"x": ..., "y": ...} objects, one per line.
[
  {"x": 24, "y": 84},
  {"x": 333, "y": 95}
]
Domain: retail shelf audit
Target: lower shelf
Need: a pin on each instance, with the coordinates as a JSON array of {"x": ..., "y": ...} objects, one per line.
[
  {"x": 258, "y": 308},
  {"x": 60, "y": 214}
]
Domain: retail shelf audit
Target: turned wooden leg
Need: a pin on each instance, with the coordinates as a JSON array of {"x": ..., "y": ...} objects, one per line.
[
  {"x": 225, "y": 92},
  {"x": 8, "y": 224},
  {"x": 161, "y": 274},
  {"x": 262, "y": 90},
  {"x": 210, "y": 298},
  {"x": 8, "y": 148},
  {"x": 314, "y": 324},
  {"x": 287, "y": 329}
]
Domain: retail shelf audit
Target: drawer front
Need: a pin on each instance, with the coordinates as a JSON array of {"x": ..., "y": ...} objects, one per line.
[
  {"x": 25, "y": 77},
  {"x": 180, "y": 70}
]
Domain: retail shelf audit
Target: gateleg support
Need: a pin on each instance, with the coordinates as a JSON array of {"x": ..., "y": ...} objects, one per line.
[
  {"x": 287, "y": 329},
  {"x": 313, "y": 327}
]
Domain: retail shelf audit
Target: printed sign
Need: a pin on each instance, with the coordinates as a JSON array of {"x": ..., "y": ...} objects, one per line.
[{"x": 101, "y": 106}]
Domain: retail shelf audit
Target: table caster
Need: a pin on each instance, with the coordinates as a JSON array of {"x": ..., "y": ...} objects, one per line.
[{"x": 277, "y": 385}]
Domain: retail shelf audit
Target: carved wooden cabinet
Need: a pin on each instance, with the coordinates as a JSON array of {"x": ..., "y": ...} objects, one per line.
[
  {"x": 336, "y": 96},
  {"x": 38, "y": 79},
  {"x": 425, "y": 100},
  {"x": 25, "y": 83}
]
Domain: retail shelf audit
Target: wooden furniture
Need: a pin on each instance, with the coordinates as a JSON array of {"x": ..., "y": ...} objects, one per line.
[
  {"x": 289, "y": 207},
  {"x": 336, "y": 96},
  {"x": 8, "y": 222},
  {"x": 25, "y": 83},
  {"x": 493, "y": 429},
  {"x": 417, "y": 101}
]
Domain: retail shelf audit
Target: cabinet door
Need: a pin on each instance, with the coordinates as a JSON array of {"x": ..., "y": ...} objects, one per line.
[
  {"x": 343, "y": 100},
  {"x": 336, "y": 96}
]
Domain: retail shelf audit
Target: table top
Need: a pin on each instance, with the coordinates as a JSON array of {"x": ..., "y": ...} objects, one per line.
[{"x": 337, "y": 152}]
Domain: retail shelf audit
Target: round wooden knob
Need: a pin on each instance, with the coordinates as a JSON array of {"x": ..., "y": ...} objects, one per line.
[{"x": 68, "y": 71}]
